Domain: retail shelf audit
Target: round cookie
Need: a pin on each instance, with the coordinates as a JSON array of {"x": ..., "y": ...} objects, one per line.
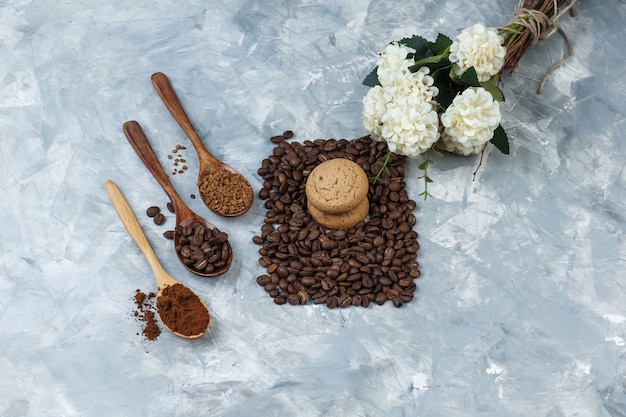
[
  {"x": 343, "y": 220},
  {"x": 336, "y": 186}
]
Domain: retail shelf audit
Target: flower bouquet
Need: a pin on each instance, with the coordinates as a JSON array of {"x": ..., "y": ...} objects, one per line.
[{"x": 427, "y": 97}]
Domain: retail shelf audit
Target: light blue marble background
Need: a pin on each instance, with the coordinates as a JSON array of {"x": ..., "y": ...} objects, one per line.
[{"x": 521, "y": 307}]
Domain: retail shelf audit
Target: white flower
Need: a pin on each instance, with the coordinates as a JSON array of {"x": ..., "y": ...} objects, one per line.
[
  {"x": 410, "y": 126},
  {"x": 401, "y": 111},
  {"x": 393, "y": 63},
  {"x": 374, "y": 108},
  {"x": 478, "y": 47},
  {"x": 469, "y": 122},
  {"x": 416, "y": 84}
]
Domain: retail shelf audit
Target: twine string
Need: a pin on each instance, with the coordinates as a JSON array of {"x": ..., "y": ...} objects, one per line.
[{"x": 540, "y": 27}]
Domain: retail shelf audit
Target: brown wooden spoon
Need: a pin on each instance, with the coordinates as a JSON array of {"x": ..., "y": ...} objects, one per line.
[
  {"x": 186, "y": 219},
  {"x": 239, "y": 196},
  {"x": 163, "y": 279}
]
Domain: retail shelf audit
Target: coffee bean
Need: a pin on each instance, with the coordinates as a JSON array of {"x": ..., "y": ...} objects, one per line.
[
  {"x": 287, "y": 134},
  {"x": 159, "y": 219},
  {"x": 344, "y": 300},
  {"x": 277, "y": 138},
  {"x": 263, "y": 280},
  {"x": 153, "y": 211},
  {"x": 169, "y": 234},
  {"x": 374, "y": 261},
  {"x": 170, "y": 207},
  {"x": 303, "y": 296}
]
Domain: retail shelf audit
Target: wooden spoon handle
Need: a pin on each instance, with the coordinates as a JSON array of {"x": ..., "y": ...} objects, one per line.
[
  {"x": 165, "y": 90},
  {"x": 138, "y": 140},
  {"x": 129, "y": 220}
]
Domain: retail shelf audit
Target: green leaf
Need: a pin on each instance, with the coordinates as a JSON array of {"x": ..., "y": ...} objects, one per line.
[
  {"x": 436, "y": 152},
  {"x": 495, "y": 92},
  {"x": 441, "y": 44},
  {"x": 500, "y": 140},
  {"x": 428, "y": 60},
  {"x": 447, "y": 93},
  {"x": 423, "y": 165},
  {"x": 469, "y": 77},
  {"x": 432, "y": 62},
  {"x": 421, "y": 46},
  {"x": 372, "y": 79},
  {"x": 428, "y": 179}
]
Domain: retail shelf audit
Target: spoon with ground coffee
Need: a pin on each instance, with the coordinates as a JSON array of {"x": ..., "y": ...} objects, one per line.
[
  {"x": 181, "y": 311},
  {"x": 222, "y": 188},
  {"x": 201, "y": 247}
]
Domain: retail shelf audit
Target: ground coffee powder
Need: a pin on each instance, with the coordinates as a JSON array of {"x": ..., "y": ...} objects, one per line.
[
  {"x": 145, "y": 312},
  {"x": 182, "y": 311}
]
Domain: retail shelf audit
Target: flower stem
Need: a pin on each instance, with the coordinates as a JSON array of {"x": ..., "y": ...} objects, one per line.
[
  {"x": 377, "y": 179},
  {"x": 424, "y": 167}
]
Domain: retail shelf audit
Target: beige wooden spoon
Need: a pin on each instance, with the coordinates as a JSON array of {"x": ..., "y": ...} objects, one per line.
[
  {"x": 163, "y": 279},
  {"x": 221, "y": 204},
  {"x": 184, "y": 215}
]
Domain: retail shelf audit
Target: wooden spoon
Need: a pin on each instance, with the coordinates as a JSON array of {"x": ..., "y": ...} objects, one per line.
[
  {"x": 184, "y": 215},
  {"x": 220, "y": 202},
  {"x": 163, "y": 279}
]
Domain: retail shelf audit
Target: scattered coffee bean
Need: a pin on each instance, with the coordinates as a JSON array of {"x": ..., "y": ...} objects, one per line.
[
  {"x": 372, "y": 262},
  {"x": 170, "y": 207},
  {"x": 153, "y": 211},
  {"x": 277, "y": 139},
  {"x": 169, "y": 234},
  {"x": 288, "y": 134},
  {"x": 159, "y": 219}
]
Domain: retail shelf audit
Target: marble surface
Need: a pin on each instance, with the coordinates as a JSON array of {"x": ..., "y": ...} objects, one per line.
[{"x": 521, "y": 307}]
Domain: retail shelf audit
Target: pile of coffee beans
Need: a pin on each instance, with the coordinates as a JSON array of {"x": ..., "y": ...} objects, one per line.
[
  {"x": 372, "y": 262},
  {"x": 202, "y": 249}
]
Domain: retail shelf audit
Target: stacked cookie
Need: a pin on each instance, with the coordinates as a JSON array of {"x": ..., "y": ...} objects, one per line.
[{"x": 336, "y": 193}]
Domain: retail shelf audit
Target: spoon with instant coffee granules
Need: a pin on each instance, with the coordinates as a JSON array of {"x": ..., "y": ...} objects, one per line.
[
  {"x": 181, "y": 311},
  {"x": 201, "y": 247},
  {"x": 222, "y": 188}
]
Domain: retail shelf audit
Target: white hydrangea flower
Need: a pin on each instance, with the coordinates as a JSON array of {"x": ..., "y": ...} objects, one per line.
[
  {"x": 374, "y": 108},
  {"x": 410, "y": 126},
  {"x": 479, "y": 47},
  {"x": 416, "y": 84},
  {"x": 393, "y": 64},
  {"x": 469, "y": 122}
]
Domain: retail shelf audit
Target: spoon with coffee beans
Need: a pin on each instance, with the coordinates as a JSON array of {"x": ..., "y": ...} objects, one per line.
[
  {"x": 201, "y": 247},
  {"x": 170, "y": 309}
]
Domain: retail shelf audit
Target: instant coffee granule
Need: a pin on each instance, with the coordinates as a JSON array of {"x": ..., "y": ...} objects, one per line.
[
  {"x": 182, "y": 311},
  {"x": 179, "y": 162},
  {"x": 225, "y": 192},
  {"x": 372, "y": 262},
  {"x": 145, "y": 313}
]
